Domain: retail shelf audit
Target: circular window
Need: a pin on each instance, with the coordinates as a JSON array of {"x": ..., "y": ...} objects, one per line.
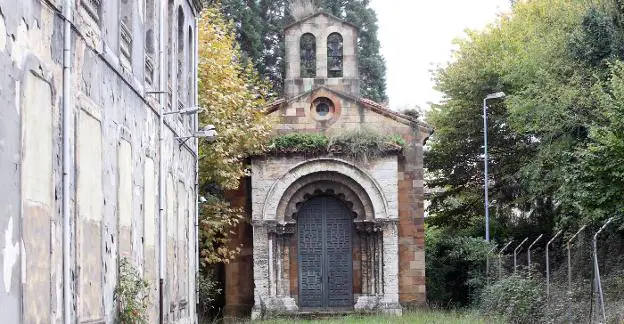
[{"x": 322, "y": 109}]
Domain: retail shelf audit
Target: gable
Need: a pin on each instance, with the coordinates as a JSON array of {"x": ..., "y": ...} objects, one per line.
[
  {"x": 321, "y": 15},
  {"x": 302, "y": 113}
]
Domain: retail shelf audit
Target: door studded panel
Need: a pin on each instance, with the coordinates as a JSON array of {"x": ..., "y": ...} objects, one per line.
[{"x": 325, "y": 254}]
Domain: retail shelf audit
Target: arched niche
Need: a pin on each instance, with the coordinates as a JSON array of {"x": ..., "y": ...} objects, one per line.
[
  {"x": 325, "y": 184},
  {"x": 330, "y": 176}
]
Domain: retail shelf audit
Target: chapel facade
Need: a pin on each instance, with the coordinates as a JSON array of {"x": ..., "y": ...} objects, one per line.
[{"x": 329, "y": 232}]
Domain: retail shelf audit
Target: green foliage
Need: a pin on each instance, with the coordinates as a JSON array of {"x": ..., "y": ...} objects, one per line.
[
  {"x": 414, "y": 113},
  {"x": 299, "y": 142},
  {"x": 360, "y": 144},
  {"x": 555, "y": 142},
  {"x": 234, "y": 96},
  {"x": 552, "y": 58},
  {"x": 518, "y": 299},
  {"x": 595, "y": 181},
  {"x": 409, "y": 316},
  {"x": 217, "y": 221},
  {"x": 131, "y": 295},
  {"x": 364, "y": 144},
  {"x": 455, "y": 267},
  {"x": 209, "y": 290}
]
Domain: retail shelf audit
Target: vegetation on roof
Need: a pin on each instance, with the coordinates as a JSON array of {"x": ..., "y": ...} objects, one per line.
[{"x": 361, "y": 144}]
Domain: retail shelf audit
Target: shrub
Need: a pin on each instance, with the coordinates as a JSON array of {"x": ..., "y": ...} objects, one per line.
[
  {"x": 364, "y": 144},
  {"x": 131, "y": 295},
  {"x": 299, "y": 142},
  {"x": 518, "y": 299},
  {"x": 361, "y": 144},
  {"x": 455, "y": 267},
  {"x": 209, "y": 289}
]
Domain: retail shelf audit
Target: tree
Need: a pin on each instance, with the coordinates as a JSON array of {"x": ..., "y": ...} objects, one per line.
[
  {"x": 594, "y": 184},
  {"x": 559, "y": 63},
  {"x": 531, "y": 133},
  {"x": 234, "y": 96}
]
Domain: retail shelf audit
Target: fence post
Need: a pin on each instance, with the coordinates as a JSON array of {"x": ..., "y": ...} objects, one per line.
[
  {"x": 597, "y": 269},
  {"x": 570, "y": 270},
  {"x": 529, "y": 252},
  {"x": 548, "y": 264},
  {"x": 500, "y": 262},
  {"x": 516, "y": 253},
  {"x": 487, "y": 266}
]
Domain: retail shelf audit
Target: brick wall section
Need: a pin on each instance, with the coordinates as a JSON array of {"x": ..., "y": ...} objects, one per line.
[
  {"x": 411, "y": 224},
  {"x": 239, "y": 272}
]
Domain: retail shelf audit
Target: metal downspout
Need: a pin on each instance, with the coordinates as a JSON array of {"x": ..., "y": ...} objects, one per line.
[
  {"x": 161, "y": 171},
  {"x": 67, "y": 114},
  {"x": 196, "y": 91}
]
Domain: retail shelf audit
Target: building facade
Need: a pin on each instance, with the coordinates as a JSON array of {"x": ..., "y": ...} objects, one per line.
[
  {"x": 329, "y": 232},
  {"x": 90, "y": 166}
]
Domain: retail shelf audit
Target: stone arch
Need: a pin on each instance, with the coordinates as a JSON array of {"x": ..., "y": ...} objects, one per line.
[
  {"x": 325, "y": 183},
  {"x": 358, "y": 188}
]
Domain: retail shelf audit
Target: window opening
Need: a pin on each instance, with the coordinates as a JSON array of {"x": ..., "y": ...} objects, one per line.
[
  {"x": 308, "y": 56},
  {"x": 125, "y": 31},
  {"x": 334, "y": 56}
]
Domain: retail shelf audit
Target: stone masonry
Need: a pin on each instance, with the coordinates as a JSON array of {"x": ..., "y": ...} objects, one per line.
[
  {"x": 114, "y": 157},
  {"x": 385, "y": 195}
]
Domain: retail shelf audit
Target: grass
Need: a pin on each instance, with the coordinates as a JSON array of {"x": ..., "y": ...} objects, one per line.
[{"x": 422, "y": 316}]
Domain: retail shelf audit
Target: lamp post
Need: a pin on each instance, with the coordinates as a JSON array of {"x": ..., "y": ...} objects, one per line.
[{"x": 496, "y": 95}]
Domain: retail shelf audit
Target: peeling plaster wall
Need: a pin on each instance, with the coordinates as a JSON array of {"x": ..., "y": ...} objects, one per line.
[{"x": 114, "y": 183}]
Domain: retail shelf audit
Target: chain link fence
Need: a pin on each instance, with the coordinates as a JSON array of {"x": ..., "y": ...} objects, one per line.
[{"x": 564, "y": 285}]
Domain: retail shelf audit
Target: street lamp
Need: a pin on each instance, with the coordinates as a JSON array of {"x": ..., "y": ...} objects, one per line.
[
  {"x": 497, "y": 95},
  {"x": 208, "y": 133},
  {"x": 186, "y": 111}
]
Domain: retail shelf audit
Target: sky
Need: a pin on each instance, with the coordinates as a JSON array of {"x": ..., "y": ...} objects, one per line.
[{"x": 416, "y": 36}]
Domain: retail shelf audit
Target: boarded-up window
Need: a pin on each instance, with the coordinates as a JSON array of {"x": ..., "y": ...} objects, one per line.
[
  {"x": 125, "y": 33},
  {"x": 37, "y": 189},
  {"x": 90, "y": 201},
  {"x": 150, "y": 42},
  {"x": 124, "y": 198}
]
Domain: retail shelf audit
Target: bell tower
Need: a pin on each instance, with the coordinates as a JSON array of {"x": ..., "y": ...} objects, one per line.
[{"x": 321, "y": 51}]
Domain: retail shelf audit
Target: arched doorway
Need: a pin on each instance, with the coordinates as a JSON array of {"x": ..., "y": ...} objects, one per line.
[{"x": 325, "y": 228}]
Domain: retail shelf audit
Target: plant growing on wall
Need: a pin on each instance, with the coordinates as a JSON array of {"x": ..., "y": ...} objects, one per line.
[
  {"x": 234, "y": 96},
  {"x": 361, "y": 144},
  {"x": 131, "y": 295}
]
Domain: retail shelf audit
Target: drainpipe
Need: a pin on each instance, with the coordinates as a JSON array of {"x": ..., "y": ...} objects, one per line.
[
  {"x": 161, "y": 166},
  {"x": 67, "y": 113},
  {"x": 196, "y": 127}
]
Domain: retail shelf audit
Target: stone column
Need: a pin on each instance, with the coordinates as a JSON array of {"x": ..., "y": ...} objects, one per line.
[
  {"x": 269, "y": 239},
  {"x": 390, "y": 300},
  {"x": 371, "y": 254},
  {"x": 260, "y": 270},
  {"x": 280, "y": 299}
]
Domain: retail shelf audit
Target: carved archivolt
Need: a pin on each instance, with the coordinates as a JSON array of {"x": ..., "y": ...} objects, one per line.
[
  {"x": 325, "y": 176},
  {"x": 326, "y": 183}
]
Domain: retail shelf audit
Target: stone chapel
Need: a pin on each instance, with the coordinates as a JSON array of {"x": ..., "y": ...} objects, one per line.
[{"x": 328, "y": 233}]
